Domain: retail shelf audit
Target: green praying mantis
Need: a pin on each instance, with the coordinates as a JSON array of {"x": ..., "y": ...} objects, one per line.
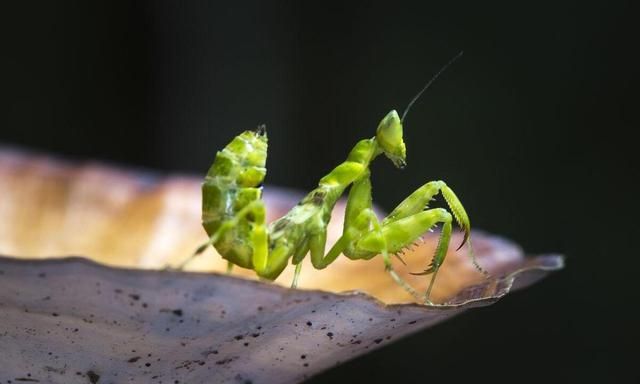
[{"x": 233, "y": 214}]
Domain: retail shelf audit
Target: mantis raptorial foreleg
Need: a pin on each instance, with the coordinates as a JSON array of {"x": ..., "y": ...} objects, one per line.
[
  {"x": 409, "y": 219},
  {"x": 403, "y": 232},
  {"x": 365, "y": 236},
  {"x": 370, "y": 215},
  {"x": 419, "y": 200}
]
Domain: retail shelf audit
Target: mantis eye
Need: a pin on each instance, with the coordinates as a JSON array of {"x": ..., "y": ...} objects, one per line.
[{"x": 389, "y": 136}]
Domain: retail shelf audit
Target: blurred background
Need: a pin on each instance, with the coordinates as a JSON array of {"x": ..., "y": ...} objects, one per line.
[{"x": 530, "y": 128}]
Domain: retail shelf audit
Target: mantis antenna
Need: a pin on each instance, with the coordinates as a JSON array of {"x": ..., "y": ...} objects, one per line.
[{"x": 416, "y": 97}]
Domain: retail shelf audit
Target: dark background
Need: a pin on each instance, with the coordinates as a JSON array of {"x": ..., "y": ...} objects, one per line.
[{"x": 530, "y": 128}]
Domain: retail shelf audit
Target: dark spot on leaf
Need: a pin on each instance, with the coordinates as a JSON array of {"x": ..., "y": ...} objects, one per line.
[
  {"x": 330, "y": 334},
  {"x": 93, "y": 377},
  {"x": 54, "y": 314},
  {"x": 412, "y": 322},
  {"x": 309, "y": 323},
  {"x": 177, "y": 312},
  {"x": 238, "y": 337},
  {"x": 42, "y": 275},
  {"x": 224, "y": 361},
  {"x": 134, "y": 296},
  {"x": 210, "y": 352},
  {"x": 303, "y": 356},
  {"x": 377, "y": 341},
  {"x": 133, "y": 359}
]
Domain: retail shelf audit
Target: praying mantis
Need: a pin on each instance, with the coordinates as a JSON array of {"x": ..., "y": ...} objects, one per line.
[{"x": 233, "y": 214}]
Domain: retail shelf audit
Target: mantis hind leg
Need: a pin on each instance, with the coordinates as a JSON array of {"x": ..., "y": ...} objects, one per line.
[
  {"x": 257, "y": 236},
  {"x": 203, "y": 247}
]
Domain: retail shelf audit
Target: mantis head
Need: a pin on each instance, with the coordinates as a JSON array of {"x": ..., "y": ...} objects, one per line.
[
  {"x": 389, "y": 133},
  {"x": 389, "y": 137}
]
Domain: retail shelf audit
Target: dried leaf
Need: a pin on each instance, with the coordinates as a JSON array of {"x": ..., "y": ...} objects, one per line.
[
  {"x": 72, "y": 320},
  {"x": 67, "y": 320}
]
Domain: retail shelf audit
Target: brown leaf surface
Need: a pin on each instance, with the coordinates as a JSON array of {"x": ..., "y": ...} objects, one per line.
[
  {"x": 62, "y": 321},
  {"x": 72, "y": 320}
]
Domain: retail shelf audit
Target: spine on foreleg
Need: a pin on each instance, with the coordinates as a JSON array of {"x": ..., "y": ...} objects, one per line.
[{"x": 233, "y": 181}]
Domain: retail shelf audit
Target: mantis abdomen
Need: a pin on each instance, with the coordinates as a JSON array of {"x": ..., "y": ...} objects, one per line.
[{"x": 232, "y": 183}]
